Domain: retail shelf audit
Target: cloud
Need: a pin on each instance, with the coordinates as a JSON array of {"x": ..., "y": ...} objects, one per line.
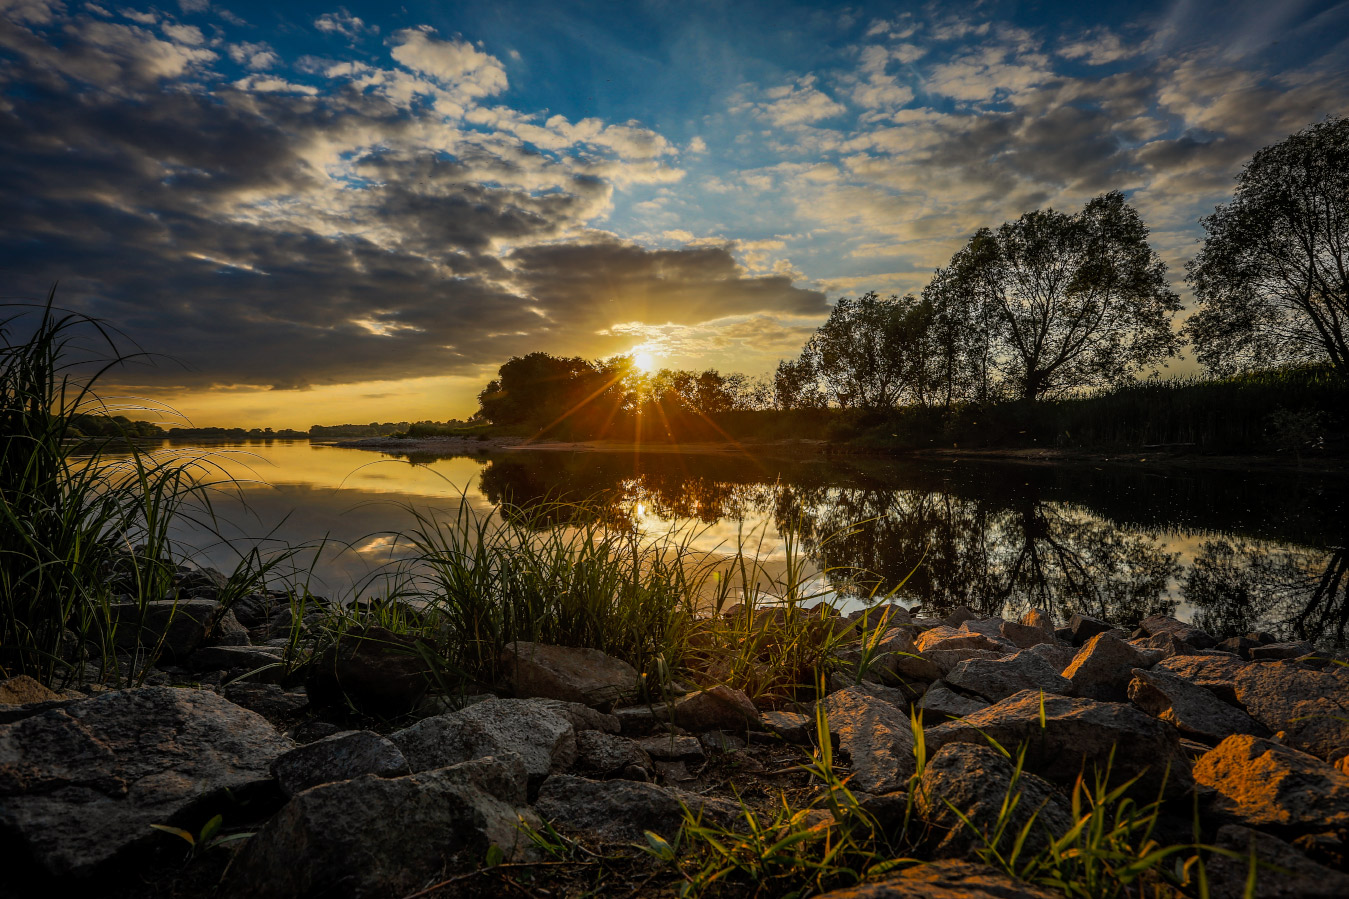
[
  {"x": 1100, "y": 46},
  {"x": 451, "y": 62},
  {"x": 32, "y": 12},
  {"x": 345, "y": 24},
  {"x": 799, "y": 104},
  {"x": 255, "y": 55}
]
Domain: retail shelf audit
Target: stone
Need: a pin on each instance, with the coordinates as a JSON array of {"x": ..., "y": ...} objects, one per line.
[
  {"x": 1038, "y": 618},
  {"x": 23, "y": 690},
  {"x": 569, "y": 673},
  {"x": 228, "y": 631},
  {"x": 371, "y": 670},
  {"x": 1275, "y": 652},
  {"x": 1166, "y": 645},
  {"x": 81, "y": 785},
  {"x": 1215, "y": 673},
  {"x": 1102, "y": 668},
  {"x": 544, "y": 740},
  {"x": 941, "y": 702},
  {"x": 716, "y": 708},
  {"x": 960, "y": 615},
  {"x": 1310, "y": 707},
  {"x": 607, "y": 754},
  {"x": 235, "y": 658},
  {"x": 947, "y": 879},
  {"x": 1186, "y": 633},
  {"x": 989, "y": 627},
  {"x": 175, "y": 627},
  {"x": 877, "y": 736},
  {"x": 339, "y": 757},
  {"x": 1078, "y": 733},
  {"x": 639, "y": 720},
  {"x": 268, "y": 700},
  {"x": 672, "y": 748},
  {"x": 1060, "y": 655},
  {"x": 945, "y": 661},
  {"x": 253, "y": 609},
  {"x": 977, "y": 780},
  {"x": 376, "y": 837},
  {"x": 1024, "y": 636},
  {"x": 1238, "y": 646},
  {"x": 947, "y": 638},
  {"x": 1283, "y": 872},
  {"x": 582, "y": 717},
  {"x": 720, "y": 742},
  {"x": 999, "y": 678},
  {"x": 793, "y": 727},
  {"x": 1194, "y": 711},
  {"x": 1267, "y": 784},
  {"x": 1082, "y": 628},
  {"x": 622, "y": 811}
]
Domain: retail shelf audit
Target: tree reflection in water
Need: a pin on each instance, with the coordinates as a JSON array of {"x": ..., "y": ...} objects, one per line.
[{"x": 1116, "y": 544}]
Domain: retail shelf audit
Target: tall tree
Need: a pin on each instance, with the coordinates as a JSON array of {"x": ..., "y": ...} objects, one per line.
[
  {"x": 870, "y": 352},
  {"x": 1072, "y": 301},
  {"x": 1273, "y": 275}
]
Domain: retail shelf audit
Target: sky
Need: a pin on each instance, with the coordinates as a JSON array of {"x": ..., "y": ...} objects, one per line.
[{"x": 308, "y": 213}]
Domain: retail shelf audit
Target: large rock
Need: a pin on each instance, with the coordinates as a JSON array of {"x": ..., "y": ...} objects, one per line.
[
  {"x": 377, "y": 837},
  {"x": 81, "y": 785},
  {"x": 945, "y": 638},
  {"x": 877, "y": 736},
  {"x": 941, "y": 702},
  {"x": 371, "y": 670},
  {"x": 1310, "y": 707},
  {"x": 604, "y": 754},
  {"x": 338, "y": 757},
  {"x": 1103, "y": 668},
  {"x": 619, "y": 811},
  {"x": 977, "y": 780},
  {"x": 569, "y": 673},
  {"x": 261, "y": 659},
  {"x": 175, "y": 627},
  {"x": 673, "y": 748},
  {"x": 944, "y": 661},
  {"x": 1082, "y": 628},
  {"x": 1186, "y": 633},
  {"x": 1077, "y": 733},
  {"x": 1194, "y": 711},
  {"x": 716, "y": 708},
  {"x": 23, "y": 690},
  {"x": 1024, "y": 636},
  {"x": 1215, "y": 672},
  {"x": 944, "y": 880},
  {"x": 543, "y": 739},
  {"x": 1283, "y": 873},
  {"x": 996, "y": 679},
  {"x": 1267, "y": 784}
]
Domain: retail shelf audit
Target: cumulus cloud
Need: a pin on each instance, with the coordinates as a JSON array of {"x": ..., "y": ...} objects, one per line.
[
  {"x": 254, "y": 54},
  {"x": 800, "y": 103},
  {"x": 345, "y": 24}
]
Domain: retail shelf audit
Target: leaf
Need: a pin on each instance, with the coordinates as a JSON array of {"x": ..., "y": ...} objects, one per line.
[
  {"x": 209, "y": 829},
  {"x": 177, "y": 832},
  {"x": 494, "y": 856},
  {"x": 659, "y": 847}
]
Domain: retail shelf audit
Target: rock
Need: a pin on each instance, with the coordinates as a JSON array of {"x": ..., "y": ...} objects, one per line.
[
  {"x": 228, "y": 631},
  {"x": 81, "y": 785},
  {"x": 941, "y": 702},
  {"x": 639, "y": 720},
  {"x": 996, "y": 679},
  {"x": 253, "y": 609},
  {"x": 1284, "y": 872},
  {"x": 1103, "y": 668},
  {"x": 544, "y": 740},
  {"x": 176, "y": 627},
  {"x": 1275, "y": 652},
  {"x": 376, "y": 837},
  {"x": 1077, "y": 732},
  {"x": 719, "y": 741},
  {"x": 606, "y": 754},
  {"x": 989, "y": 627},
  {"x": 716, "y": 708},
  {"x": 314, "y": 729},
  {"x": 236, "y": 658},
  {"x": 569, "y": 673},
  {"x": 372, "y": 670},
  {"x": 946, "y": 660},
  {"x": 619, "y": 811},
  {"x": 793, "y": 727},
  {"x": 339, "y": 757},
  {"x": 977, "y": 780},
  {"x": 582, "y": 717},
  {"x": 947, "y": 638},
  {"x": 1238, "y": 646},
  {"x": 960, "y": 615},
  {"x": 1082, "y": 628},
  {"x": 23, "y": 690},
  {"x": 268, "y": 700},
  {"x": 944, "y": 880},
  {"x": 1194, "y": 711},
  {"x": 1038, "y": 618},
  {"x": 1215, "y": 673},
  {"x": 671, "y": 748},
  {"x": 1025, "y": 636},
  {"x": 1059, "y": 655},
  {"x": 910, "y": 668},
  {"x": 1186, "y": 633},
  {"x": 1166, "y": 645},
  {"x": 1310, "y": 707},
  {"x": 1267, "y": 784},
  {"x": 877, "y": 737}
]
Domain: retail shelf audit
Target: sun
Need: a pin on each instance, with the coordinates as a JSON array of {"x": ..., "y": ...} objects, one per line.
[{"x": 644, "y": 362}]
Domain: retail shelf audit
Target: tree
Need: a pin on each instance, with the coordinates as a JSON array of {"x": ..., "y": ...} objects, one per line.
[
  {"x": 1070, "y": 301},
  {"x": 795, "y": 386},
  {"x": 870, "y": 352},
  {"x": 1273, "y": 275}
]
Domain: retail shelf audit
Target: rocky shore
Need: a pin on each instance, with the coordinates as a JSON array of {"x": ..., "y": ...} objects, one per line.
[{"x": 354, "y": 776}]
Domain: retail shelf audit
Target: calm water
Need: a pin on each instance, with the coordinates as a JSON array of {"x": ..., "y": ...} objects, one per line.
[{"x": 1233, "y": 551}]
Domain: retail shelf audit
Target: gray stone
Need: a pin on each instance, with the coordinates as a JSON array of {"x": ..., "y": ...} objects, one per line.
[
  {"x": 81, "y": 785},
  {"x": 1059, "y": 655},
  {"x": 672, "y": 748},
  {"x": 606, "y": 754},
  {"x": 941, "y": 702},
  {"x": 582, "y": 717},
  {"x": 622, "y": 811},
  {"x": 1283, "y": 872},
  {"x": 339, "y": 757},
  {"x": 961, "y": 615},
  {"x": 1038, "y": 618},
  {"x": 793, "y": 727},
  {"x": 569, "y": 673},
  {"x": 1215, "y": 672},
  {"x": 948, "y": 638},
  {"x": 720, "y": 742},
  {"x": 268, "y": 700},
  {"x": 372, "y": 670},
  {"x": 1186, "y": 633},
  {"x": 375, "y": 837},
  {"x": 1193, "y": 710},
  {"x": 877, "y": 736},
  {"x": 716, "y": 708},
  {"x": 544, "y": 740},
  {"x": 1082, "y": 628},
  {"x": 1267, "y": 784},
  {"x": 175, "y": 627},
  {"x": 1310, "y": 707},
  {"x": 228, "y": 631},
  {"x": 1275, "y": 652},
  {"x": 1025, "y": 636},
  {"x": 1103, "y": 668},
  {"x": 996, "y": 679},
  {"x": 946, "y": 660}
]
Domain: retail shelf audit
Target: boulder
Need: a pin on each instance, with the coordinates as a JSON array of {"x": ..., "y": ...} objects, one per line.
[
  {"x": 228, "y": 631},
  {"x": 1283, "y": 873},
  {"x": 672, "y": 748},
  {"x": 377, "y": 837},
  {"x": 960, "y": 615},
  {"x": 792, "y": 727},
  {"x": 1215, "y": 673},
  {"x": 1275, "y": 652},
  {"x": 1185, "y": 633},
  {"x": 977, "y": 780},
  {"x": 341, "y": 756},
  {"x": 176, "y": 627},
  {"x": 944, "y": 661},
  {"x": 947, "y": 638},
  {"x": 1082, "y": 628},
  {"x": 544, "y": 740},
  {"x": 716, "y": 708},
  {"x": 941, "y": 702},
  {"x": 1060, "y": 655},
  {"x": 1195, "y": 712},
  {"x": 1310, "y": 707},
  {"x": 372, "y": 670},
  {"x": 606, "y": 754},
  {"x": 1025, "y": 636},
  {"x": 23, "y": 690},
  {"x": 1102, "y": 668},
  {"x": 1077, "y": 733},
  {"x": 619, "y": 811},
  {"x": 999, "y": 678},
  {"x": 1267, "y": 784},
  {"x": 268, "y": 700},
  {"x": 1038, "y": 618},
  {"x": 569, "y": 673},
  {"x": 81, "y": 785},
  {"x": 582, "y": 717},
  {"x": 947, "y": 879},
  {"x": 989, "y": 627},
  {"x": 877, "y": 736}
]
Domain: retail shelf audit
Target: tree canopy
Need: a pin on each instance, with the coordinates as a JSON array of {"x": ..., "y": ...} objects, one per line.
[{"x": 1272, "y": 277}]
